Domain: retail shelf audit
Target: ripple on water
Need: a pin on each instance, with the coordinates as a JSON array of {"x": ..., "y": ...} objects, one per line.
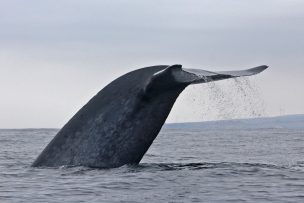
[{"x": 213, "y": 166}]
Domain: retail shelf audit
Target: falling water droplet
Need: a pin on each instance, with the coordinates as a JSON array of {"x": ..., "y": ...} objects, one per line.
[{"x": 237, "y": 98}]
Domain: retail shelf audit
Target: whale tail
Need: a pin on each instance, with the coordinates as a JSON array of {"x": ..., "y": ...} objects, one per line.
[
  {"x": 180, "y": 75},
  {"x": 202, "y": 76},
  {"x": 119, "y": 124}
]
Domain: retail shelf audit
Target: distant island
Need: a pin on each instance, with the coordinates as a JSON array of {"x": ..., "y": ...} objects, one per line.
[{"x": 288, "y": 121}]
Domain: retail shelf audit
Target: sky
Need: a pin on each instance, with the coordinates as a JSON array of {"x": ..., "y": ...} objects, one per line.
[{"x": 56, "y": 55}]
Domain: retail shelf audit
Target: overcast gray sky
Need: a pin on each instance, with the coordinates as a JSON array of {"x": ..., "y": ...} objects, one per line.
[{"x": 55, "y": 55}]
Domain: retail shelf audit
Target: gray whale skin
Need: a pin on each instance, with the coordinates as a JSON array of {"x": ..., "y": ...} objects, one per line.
[{"x": 118, "y": 125}]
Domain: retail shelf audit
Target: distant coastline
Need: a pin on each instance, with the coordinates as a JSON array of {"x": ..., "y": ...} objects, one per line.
[
  {"x": 287, "y": 121},
  {"x": 295, "y": 121}
]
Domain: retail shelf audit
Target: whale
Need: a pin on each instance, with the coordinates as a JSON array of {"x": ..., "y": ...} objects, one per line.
[{"x": 119, "y": 124}]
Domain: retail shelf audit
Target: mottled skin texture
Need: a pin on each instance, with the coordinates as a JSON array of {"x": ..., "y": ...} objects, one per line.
[{"x": 118, "y": 125}]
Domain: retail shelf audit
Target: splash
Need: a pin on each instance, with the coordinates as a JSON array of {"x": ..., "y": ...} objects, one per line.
[
  {"x": 221, "y": 100},
  {"x": 236, "y": 98}
]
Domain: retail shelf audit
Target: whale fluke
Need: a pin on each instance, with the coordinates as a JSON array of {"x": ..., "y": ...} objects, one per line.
[
  {"x": 177, "y": 74},
  {"x": 118, "y": 125}
]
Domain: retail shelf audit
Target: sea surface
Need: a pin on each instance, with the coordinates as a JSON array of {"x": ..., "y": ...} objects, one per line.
[{"x": 182, "y": 165}]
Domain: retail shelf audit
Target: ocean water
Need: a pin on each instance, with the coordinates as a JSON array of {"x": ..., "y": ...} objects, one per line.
[{"x": 182, "y": 165}]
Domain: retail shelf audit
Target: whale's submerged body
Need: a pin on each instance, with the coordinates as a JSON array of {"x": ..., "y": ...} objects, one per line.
[{"x": 118, "y": 125}]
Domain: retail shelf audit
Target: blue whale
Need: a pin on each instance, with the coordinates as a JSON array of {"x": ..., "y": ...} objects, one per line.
[{"x": 119, "y": 124}]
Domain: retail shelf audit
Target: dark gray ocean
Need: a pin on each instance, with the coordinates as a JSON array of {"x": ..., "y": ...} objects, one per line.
[{"x": 183, "y": 165}]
